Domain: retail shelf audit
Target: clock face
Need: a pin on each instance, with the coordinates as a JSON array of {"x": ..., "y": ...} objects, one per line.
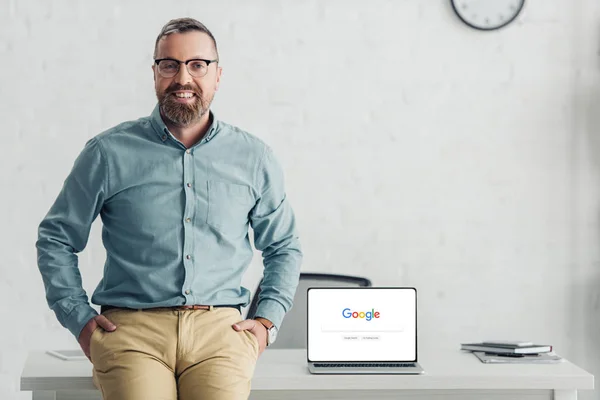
[{"x": 487, "y": 14}]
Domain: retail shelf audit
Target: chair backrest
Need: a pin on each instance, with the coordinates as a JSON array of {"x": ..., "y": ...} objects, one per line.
[{"x": 292, "y": 333}]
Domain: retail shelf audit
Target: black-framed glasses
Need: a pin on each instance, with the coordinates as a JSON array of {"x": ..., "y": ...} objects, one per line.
[{"x": 169, "y": 67}]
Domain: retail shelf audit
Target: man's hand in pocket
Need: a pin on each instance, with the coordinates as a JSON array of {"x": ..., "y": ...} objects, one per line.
[{"x": 99, "y": 321}]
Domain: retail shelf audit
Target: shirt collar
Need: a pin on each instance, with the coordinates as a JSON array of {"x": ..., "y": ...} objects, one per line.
[{"x": 163, "y": 133}]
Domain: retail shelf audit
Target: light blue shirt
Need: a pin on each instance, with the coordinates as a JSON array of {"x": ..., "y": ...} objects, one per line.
[{"x": 175, "y": 223}]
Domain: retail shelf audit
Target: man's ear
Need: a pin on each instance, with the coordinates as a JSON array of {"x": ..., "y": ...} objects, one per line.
[
  {"x": 218, "y": 80},
  {"x": 154, "y": 73}
]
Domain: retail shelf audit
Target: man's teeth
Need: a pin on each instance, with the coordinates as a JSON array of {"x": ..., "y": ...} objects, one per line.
[{"x": 184, "y": 95}]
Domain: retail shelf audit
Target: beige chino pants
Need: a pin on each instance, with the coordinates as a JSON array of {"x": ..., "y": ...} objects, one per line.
[{"x": 167, "y": 354}]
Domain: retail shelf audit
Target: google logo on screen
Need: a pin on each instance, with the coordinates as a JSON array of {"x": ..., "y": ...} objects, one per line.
[{"x": 368, "y": 315}]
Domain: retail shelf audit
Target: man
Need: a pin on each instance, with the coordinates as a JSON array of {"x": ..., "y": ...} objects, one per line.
[{"x": 177, "y": 192}]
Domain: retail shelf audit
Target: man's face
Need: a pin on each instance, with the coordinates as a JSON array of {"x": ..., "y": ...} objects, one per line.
[{"x": 185, "y": 111}]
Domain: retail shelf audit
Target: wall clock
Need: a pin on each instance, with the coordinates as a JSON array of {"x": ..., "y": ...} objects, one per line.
[{"x": 487, "y": 15}]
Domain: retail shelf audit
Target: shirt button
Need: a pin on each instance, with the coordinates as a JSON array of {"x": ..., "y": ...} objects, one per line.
[
  {"x": 189, "y": 184},
  {"x": 188, "y": 291},
  {"x": 188, "y": 220},
  {"x": 188, "y": 151},
  {"x": 164, "y": 137},
  {"x": 188, "y": 256}
]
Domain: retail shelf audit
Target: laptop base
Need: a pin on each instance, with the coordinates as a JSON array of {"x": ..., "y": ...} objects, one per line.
[{"x": 339, "y": 368}]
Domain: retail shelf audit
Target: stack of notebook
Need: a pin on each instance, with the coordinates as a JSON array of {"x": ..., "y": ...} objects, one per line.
[{"x": 502, "y": 351}]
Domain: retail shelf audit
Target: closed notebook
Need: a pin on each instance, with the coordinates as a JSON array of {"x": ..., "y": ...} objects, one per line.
[
  {"x": 544, "y": 358},
  {"x": 507, "y": 343},
  {"x": 534, "y": 349}
]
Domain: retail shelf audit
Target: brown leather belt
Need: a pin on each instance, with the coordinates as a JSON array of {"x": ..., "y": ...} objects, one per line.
[{"x": 185, "y": 307}]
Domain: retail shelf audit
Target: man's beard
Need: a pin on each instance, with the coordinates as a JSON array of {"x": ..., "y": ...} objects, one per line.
[{"x": 183, "y": 114}]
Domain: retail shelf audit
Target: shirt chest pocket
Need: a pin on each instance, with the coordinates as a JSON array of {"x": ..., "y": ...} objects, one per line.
[{"x": 228, "y": 207}]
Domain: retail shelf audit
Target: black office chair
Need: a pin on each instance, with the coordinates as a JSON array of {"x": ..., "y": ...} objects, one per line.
[{"x": 292, "y": 333}]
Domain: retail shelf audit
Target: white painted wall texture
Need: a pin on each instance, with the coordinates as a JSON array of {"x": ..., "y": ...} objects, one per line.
[{"x": 417, "y": 151}]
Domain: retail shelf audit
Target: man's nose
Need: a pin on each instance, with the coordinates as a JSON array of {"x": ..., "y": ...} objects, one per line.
[{"x": 183, "y": 76}]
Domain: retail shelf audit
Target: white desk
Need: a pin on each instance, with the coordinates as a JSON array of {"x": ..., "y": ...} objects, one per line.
[{"x": 283, "y": 375}]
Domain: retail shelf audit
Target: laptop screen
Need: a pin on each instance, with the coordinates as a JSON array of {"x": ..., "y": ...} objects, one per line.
[{"x": 362, "y": 324}]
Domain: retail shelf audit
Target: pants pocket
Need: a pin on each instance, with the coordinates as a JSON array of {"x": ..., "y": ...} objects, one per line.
[
  {"x": 93, "y": 339},
  {"x": 253, "y": 342}
]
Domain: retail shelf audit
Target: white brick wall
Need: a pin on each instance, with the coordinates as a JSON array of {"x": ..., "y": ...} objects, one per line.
[{"x": 417, "y": 151}]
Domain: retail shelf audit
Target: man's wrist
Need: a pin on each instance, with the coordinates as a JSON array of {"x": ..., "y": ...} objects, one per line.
[{"x": 265, "y": 322}]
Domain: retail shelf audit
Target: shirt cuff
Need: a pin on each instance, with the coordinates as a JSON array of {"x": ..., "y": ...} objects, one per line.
[
  {"x": 78, "y": 318},
  {"x": 271, "y": 310}
]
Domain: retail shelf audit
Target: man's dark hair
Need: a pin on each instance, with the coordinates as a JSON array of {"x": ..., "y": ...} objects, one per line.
[{"x": 182, "y": 25}]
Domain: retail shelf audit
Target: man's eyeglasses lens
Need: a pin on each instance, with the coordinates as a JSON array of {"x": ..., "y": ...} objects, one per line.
[{"x": 169, "y": 68}]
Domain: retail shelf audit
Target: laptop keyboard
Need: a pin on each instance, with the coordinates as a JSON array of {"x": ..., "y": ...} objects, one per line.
[{"x": 366, "y": 365}]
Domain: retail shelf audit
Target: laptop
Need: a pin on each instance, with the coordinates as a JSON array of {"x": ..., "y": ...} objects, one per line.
[{"x": 362, "y": 330}]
